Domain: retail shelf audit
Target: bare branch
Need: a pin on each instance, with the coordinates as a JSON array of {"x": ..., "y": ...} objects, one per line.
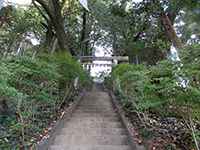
[
  {"x": 39, "y": 9},
  {"x": 46, "y": 7}
]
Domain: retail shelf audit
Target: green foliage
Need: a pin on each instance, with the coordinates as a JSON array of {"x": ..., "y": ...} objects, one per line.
[
  {"x": 26, "y": 21},
  {"x": 30, "y": 89},
  {"x": 70, "y": 68},
  {"x": 22, "y": 23},
  {"x": 159, "y": 89},
  {"x": 168, "y": 89},
  {"x": 123, "y": 68}
]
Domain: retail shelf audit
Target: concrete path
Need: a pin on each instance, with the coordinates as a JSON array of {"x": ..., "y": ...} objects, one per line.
[{"x": 94, "y": 126}]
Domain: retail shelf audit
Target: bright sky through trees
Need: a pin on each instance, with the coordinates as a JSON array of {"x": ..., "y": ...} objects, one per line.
[{"x": 21, "y": 1}]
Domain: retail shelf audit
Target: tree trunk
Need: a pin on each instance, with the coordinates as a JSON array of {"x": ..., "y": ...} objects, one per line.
[
  {"x": 3, "y": 107},
  {"x": 49, "y": 35},
  {"x": 53, "y": 9},
  {"x": 114, "y": 44},
  {"x": 58, "y": 23},
  {"x": 83, "y": 34},
  {"x": 170, "y": 31},
  {"x": 61, "y": 36},
  {"x": 48, "y": 25}
]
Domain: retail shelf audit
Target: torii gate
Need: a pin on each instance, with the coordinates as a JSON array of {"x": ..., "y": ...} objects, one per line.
[{"x": 88, "y": 61}]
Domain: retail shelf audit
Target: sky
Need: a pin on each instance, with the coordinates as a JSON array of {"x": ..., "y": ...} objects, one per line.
[{"x": 21, "y": 1}]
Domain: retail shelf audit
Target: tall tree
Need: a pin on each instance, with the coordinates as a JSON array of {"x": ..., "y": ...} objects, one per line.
[
  {"x": 53, "y": 15},
  {"x": 84, "y": 34},
  {"x": 168, "y": 10}
]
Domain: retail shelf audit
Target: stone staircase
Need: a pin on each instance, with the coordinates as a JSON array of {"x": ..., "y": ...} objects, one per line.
[{"x": 93, "y": 126}]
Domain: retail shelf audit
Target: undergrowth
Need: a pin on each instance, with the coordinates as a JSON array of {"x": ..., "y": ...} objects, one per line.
[
  {"x": 32, "y": 92},
  {"x": 166, "y": 90}
]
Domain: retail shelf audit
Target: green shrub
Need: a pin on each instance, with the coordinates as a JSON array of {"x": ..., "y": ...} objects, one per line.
[
  {"x": 168, "y": 89},
  {"x": 122, "y": 68},
  {"x": 70, "y": 68},
  {"x": 156, "y": 88},
  {"x": 32, "y": 91}
]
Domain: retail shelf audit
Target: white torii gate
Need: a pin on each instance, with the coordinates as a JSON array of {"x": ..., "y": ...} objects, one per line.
[{"x": 88, "y": 61}]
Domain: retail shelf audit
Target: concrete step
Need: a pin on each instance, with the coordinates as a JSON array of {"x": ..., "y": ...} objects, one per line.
[
  {"x": 100, "y": 107},
  {"x": 81, "y": 121},
  {"x": 79, "y": 114},
  {"x": 93, "y": 121},
  {"x": 94, "y": 118},
  {"x": 95, "y": 111},
  {"x": 92, "y": 124},
  {"x": 96, "y": 131},
  {"x": 93, "y": 106},
  {"x": 91, "y": 140},
  {"x": 94, "y": 103},
  {"x": 91, "y": 147}
]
